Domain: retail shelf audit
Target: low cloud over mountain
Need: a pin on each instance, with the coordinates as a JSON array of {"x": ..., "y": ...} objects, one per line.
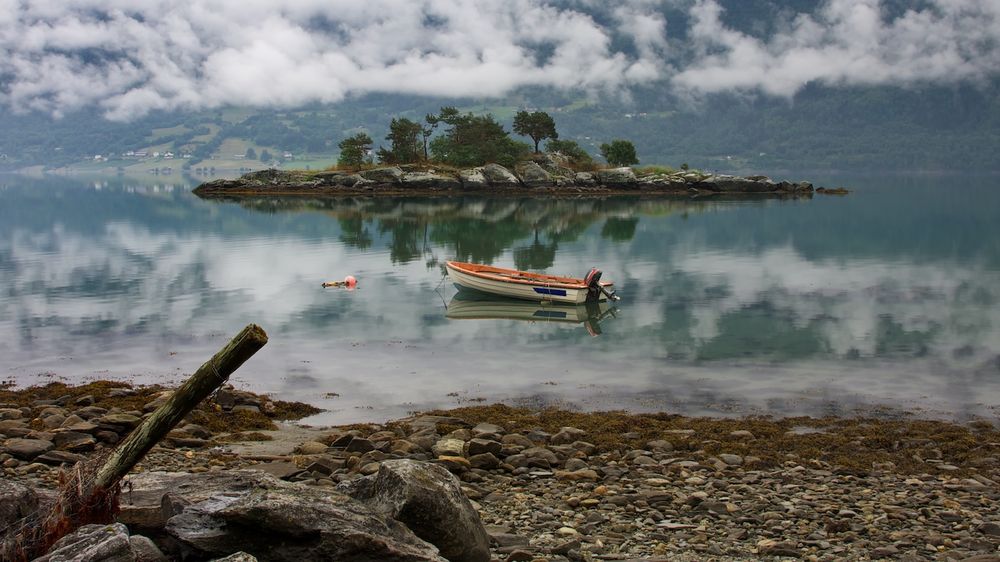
[{"x": 132, "y": 57}]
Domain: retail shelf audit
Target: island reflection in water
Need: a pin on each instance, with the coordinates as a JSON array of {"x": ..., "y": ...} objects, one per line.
[{"x": 887, "y": 296}]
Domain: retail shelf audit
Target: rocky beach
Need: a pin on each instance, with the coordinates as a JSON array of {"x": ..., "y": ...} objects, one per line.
[
  {"x": 237, "y": 481},
  {"x": 547, "y": 176}
]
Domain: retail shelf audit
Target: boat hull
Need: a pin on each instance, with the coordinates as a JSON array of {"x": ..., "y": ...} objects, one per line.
[{"x": 537, "y": 291}]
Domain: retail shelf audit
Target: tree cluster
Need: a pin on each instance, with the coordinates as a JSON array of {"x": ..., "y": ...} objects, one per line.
[
  {"x": 465, "y": 140},
  {"x": 473, "y": 140}
]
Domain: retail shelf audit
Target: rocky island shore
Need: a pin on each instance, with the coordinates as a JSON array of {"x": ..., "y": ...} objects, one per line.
[
  {"x": 544, "y": 177},
  {"x": 502, "y": 483}
]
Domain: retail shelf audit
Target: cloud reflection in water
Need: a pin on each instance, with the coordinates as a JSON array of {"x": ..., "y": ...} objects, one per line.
[{"x": 707, "y": 326}]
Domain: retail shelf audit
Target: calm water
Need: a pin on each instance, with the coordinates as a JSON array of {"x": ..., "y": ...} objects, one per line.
[{"x": 885, "y": 297}]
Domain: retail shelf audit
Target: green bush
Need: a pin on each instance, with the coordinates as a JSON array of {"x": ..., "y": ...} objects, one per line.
[{"x": 619, "y": 153}]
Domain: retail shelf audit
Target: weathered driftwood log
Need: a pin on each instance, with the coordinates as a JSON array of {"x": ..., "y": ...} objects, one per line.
[
  {"x": 205, "y": 380},
  {"x": 89, "y": 493}
]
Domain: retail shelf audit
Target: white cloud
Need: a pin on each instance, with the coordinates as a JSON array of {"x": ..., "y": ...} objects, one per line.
[
  {"x": 846, "y": 42},
  {"x": 130, "y": 57},
  {"x": 133, "y": 57}
]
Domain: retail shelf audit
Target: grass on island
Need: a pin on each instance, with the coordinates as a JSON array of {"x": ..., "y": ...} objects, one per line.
[{"x": 653, "y": 170}]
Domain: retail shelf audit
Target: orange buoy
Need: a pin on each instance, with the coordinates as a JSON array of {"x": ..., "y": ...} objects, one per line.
[{"x": 350, "y": 282}]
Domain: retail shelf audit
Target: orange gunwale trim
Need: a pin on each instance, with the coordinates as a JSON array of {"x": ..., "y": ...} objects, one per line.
[{"x": 536, "y": 279}]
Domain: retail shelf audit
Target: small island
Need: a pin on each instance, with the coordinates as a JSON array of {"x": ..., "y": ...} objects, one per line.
[
  {"x": 526, "y": 178},
  {"x": 476, "y": 155}
]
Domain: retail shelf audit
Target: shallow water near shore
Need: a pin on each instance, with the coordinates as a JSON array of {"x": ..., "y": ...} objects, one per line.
[{"x": 887, "y": 296}]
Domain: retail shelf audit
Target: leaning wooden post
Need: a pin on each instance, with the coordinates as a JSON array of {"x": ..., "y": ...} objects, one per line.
[
  {"x": 205, "y": 380},
  {"x": 90, "y": 496}
]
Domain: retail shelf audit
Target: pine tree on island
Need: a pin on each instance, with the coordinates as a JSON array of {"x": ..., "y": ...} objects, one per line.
[
  {"x": 353, "y": 150},
  {"x": 537, "y": 125},
  {"x": 406, "y": 143}
]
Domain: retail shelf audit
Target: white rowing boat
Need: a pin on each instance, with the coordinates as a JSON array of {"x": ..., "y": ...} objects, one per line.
[{"x": 530, "y": 286}]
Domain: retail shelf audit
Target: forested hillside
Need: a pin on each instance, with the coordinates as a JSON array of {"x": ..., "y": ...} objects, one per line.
[{"x": 934, "y": 128}]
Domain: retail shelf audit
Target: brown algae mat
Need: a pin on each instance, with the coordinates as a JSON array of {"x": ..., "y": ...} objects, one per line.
[
  {"x": 127, "y": 397},
  {"x": 852, "y": 445}
]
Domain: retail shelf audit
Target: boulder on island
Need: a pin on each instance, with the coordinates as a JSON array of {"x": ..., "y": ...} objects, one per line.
[
  {"x": 429, "y": 180},
  {"x": 736, "y": 184},
  {"x": 390, "y": 175},
  {"x": 533, "y": 175},
  {"x": 498, "y": 176},
  {"x": 617, "y": 177},
  {"x": 473, "y": 178}
]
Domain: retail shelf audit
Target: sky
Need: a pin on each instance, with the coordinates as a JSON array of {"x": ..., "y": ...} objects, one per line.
[{"x": 131, "y": 57}]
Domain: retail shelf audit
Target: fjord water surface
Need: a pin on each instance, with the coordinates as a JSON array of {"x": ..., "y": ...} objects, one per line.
[{"x": 887, "y": 296}]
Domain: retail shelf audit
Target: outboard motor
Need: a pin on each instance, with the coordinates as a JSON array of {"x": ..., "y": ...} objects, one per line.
[
  {"x": 594, "y": 288},
  {"x": 593, "y": 283}
]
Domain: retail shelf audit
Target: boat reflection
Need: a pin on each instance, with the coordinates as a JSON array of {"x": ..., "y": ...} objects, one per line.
[{"x": 473, "y": 305}]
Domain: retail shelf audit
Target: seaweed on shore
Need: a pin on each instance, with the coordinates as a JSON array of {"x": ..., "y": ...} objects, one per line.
[
  {"x": 851, "y": 445},
  {"x": 133, "y": 398}
]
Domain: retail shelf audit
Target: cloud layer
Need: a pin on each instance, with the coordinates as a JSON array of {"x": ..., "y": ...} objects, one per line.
[
  {"x": 846, "y": 42},
  {"x": 133, "y": 56}
]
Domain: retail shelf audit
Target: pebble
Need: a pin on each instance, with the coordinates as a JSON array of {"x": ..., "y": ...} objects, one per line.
[{"x": 573, "y": 496}]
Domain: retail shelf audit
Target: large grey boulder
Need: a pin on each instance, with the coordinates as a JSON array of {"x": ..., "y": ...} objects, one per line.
[
  {"x": 389, "y": 175},
  {"x": 249, "y": 511},
  {"x": 429, "y": 180},
  {"x": 473, "y": 178},
  {"x": 617, "y": 177},
  {"x": 16, "y": 502},
  {"x": 429, "y": 500},
  {"x": 533, "y": 175},
  {"x": 498, "y": 176},
  {"x": 93, "y": 543}
]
